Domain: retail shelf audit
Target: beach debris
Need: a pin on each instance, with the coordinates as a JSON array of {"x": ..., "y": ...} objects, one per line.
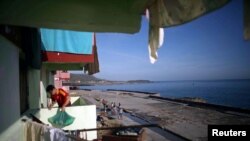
[
  {"x": 194, "y": 99},
  {"x": 128, "y": 132}
]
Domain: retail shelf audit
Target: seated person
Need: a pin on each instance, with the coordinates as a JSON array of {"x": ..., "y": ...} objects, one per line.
[{"x": 58, "y": 95}]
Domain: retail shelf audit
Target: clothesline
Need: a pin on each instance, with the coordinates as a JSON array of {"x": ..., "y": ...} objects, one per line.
[
  {"x": 36, "y": 129},
  {"x": 41, "y": 132},
  {"x": 106, "y": 128},
  {"x": 119, "y": 127}
]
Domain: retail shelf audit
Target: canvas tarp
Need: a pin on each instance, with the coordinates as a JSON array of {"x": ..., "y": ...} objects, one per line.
[
  {"x": 110, "y": 15},
  {"x": 81, "y": 15},
  {"x": 166, "y": 13},
  {"x": 247, "y": 20},
  {"x": 66, "y": 41}
]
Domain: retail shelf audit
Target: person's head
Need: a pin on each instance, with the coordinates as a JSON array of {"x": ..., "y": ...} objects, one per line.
[{"x": 51, "y": 89}]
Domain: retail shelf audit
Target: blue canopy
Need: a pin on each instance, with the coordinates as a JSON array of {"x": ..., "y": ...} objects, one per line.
[{"x": 66, "y": 41}]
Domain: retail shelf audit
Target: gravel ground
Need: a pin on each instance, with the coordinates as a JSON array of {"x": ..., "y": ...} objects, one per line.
[{"x": 189, "y": 122}]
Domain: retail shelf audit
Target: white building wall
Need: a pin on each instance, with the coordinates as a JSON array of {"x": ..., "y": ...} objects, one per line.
[{"x": 9, "y": 84}]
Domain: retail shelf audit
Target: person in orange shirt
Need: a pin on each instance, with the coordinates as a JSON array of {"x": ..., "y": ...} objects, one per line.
[{"x": 58, "y": 95}]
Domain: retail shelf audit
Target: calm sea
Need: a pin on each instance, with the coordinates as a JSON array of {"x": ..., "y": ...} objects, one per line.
[{"x": 235, "y": 93}]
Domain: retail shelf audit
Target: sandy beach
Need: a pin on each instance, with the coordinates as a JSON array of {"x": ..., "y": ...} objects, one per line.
[{"x": 182, "y": 119}]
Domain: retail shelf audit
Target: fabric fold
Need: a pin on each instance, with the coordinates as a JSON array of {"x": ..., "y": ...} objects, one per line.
[
  {"x": 246, "y": 19},
  {"x": 38, "y": 132},
  {"x": 33, "y": 131},
  {"x": 156, "y": 39},
  {"x": 93, "y": 68},
  {"x": 166, "y": 13}
]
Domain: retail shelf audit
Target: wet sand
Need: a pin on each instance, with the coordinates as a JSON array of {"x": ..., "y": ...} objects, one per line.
[{"x": 189, "y": 122}]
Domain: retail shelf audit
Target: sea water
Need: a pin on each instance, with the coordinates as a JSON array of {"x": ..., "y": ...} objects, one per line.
[{"x": 234, "y": 93}]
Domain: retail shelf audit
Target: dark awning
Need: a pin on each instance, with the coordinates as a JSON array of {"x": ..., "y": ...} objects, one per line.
[{"x": 81, "y": 15}]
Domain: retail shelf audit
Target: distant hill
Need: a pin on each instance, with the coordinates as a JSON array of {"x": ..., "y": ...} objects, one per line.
[
  {"x": 89, "y": 80},
  {"x": 139, "y": 81},
  {"x": 83, "y": 78}
]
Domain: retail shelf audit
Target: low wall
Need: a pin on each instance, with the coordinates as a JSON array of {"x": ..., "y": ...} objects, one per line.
[{"x": 85, "y": 118}]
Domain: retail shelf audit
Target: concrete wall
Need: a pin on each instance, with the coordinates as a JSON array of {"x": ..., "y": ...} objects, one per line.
[
  {"x": 9, "y": 84},
  {"x": 46, "y": 78},
  {"x": 34, "y": 88},
  {"x": 85, "y": 118},
  {"x": 15, "y": 132},
  {"x": 43, "y": 84}
]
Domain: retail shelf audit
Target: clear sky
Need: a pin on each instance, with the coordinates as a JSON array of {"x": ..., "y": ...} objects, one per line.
[{"x": 211, "y": 47}]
